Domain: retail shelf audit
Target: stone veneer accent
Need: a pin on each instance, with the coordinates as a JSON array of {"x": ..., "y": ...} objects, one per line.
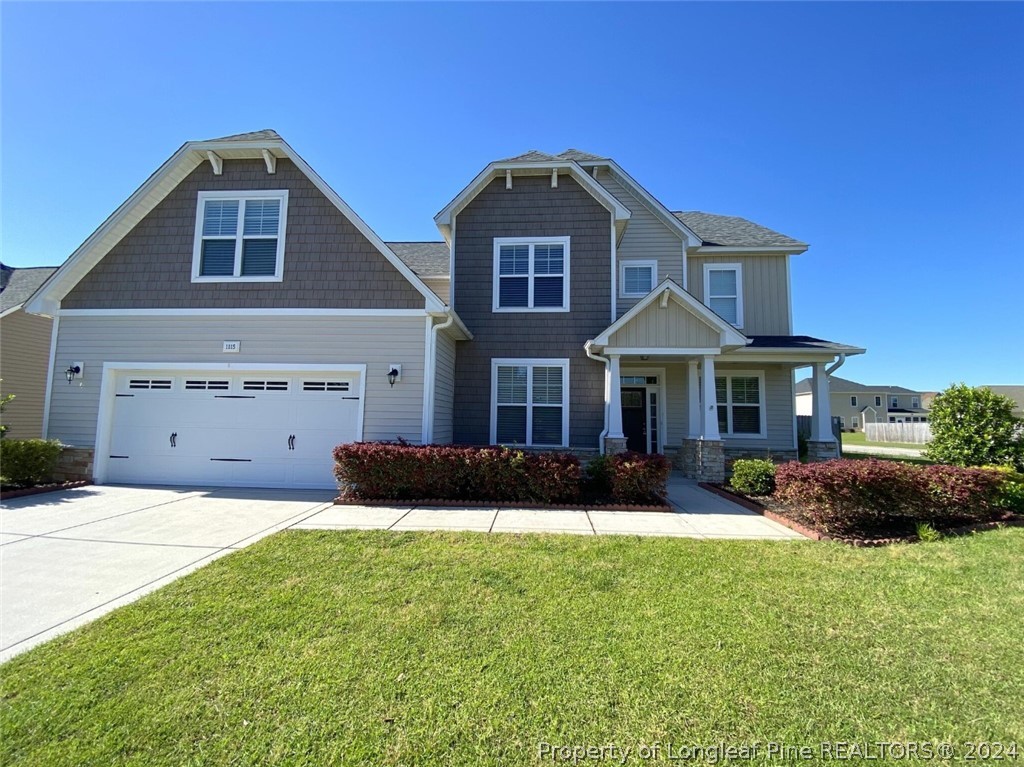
[
  {"x": 733, "y": 454},
  {"x": 613, "y": 445},
  {"x": 74, "y": 465},
  {"x": 703, "y": 460},
  {"x": 821, "y": 451}
]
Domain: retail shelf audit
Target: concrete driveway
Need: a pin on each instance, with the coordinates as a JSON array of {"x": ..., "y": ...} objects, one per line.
[{"x": 66, "y": 558}]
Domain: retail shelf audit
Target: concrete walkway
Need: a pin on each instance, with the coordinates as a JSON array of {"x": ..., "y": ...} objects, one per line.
[
  {"x": 699, "y": 514},
  {"x": 904, "y": 452}
]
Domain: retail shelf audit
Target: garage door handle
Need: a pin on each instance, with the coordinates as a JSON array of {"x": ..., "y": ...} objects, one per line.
[
  {"x": 291, "y": 442},
  {"x": 174, "y": 439}
]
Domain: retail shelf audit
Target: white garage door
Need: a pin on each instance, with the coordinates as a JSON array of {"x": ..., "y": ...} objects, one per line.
[{"x": 238, "y": 429}]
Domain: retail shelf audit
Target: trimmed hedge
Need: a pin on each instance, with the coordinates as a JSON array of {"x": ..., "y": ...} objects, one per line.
[
  {"x": 400, "y": 472},
  {"x": 28, "y": 461},
  {"x": 753, "y": 476},
  {"x": 854, "y": 497}
]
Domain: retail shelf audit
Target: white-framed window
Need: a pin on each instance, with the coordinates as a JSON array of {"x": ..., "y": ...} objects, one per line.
[
  {"x": 741, "y": 407},
  {"x": 915, "y": 402},
  {"x": 530, "y": 402},
  {"x": 531, "y": 274},
  {"x": 240, "y": 236},
  {"x": 637, "y": 278},
  {"x": 853, "y": 402},
  {"x": 842, "y": 422},
  {"x": 723, "y": 291},
  {"x": 894, "y": 401},
  {"x": 854, "y": 422},
  {"x": 878, "y": 401}
]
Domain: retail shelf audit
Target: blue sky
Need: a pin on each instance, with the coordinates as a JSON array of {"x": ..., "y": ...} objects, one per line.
[{"x": 886, "y": 135}]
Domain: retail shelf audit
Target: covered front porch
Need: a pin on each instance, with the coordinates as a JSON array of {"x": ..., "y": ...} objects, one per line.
[{"x": 681, "y": 381}]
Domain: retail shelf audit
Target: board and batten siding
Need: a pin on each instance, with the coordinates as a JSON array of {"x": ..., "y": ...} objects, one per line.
[
  {"x": 671, "y": 327},
  {"x": 390, "y": 412},
  {"x": 765, "y": 290},
  {"x": 24, "y": 359},
  {"x": 444, "y": 388},
  {"x": 647, "y": 238},
  {"x": 440, "y": 285},
  {"x": 328, "y": 263}
]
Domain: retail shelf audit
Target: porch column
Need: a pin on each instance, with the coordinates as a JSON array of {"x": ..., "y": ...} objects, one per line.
[
  {"x": 709, "y": 401},
  {"x": 693, "y": 400},
  {"x": 821, "y": 407},
  {"x": 614, "y": 399}
]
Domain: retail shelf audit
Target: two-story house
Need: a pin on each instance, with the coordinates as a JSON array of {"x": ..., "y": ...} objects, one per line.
[
  {"x": 856, "y": 404},
  {"x": 234, "y": 319}
]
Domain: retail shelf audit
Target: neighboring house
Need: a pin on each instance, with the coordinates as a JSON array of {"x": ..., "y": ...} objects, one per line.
[
  {"x": 234, "y": 320},
  {"x": 24, "y": 351},
  {"x": 856, "y": 404},
  {"x": 1015, "y": 393}
]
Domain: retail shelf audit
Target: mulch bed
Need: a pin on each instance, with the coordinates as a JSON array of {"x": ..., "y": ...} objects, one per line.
[
  {"x": 663, "y": 506},
  {"x": 52, "y": 487},
  {"x": 1010, "y": 520}
]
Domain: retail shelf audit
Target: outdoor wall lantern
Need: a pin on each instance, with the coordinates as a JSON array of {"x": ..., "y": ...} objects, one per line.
[
  {"x": 394, "y": 373},
  {"x": 74, "y": 369}
]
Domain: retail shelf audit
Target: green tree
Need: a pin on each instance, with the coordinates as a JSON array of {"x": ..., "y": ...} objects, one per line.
[
  {"x": 975, "y": 427},
  {"x": 4, "y": 399}
]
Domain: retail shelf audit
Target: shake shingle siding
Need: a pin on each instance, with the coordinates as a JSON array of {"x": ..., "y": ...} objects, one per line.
[
  {"x": 328, "y": 263},
  {"x": 531, "y": 209}
]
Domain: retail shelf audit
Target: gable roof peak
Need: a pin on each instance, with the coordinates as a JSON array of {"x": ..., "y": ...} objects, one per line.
[
  {"x": 578, "y": 155},
  {"x": 531, "y": 155},
  {"x": 267, "y": 134}
]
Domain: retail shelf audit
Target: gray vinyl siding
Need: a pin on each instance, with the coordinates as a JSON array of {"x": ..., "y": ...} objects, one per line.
[
  {"x": 328, "y": 263},
  {"x": 440, "y": 285},
  {"x": 647, "y": 237},
  {"x": 24, "y": 359},
  {"x": 765, "y": 290},
  {"x": 532, "y": 209},
  {"x": 671, "y": 327},
  {"x": 375, "y": 341},
  {"x": 444, "y": 388}
]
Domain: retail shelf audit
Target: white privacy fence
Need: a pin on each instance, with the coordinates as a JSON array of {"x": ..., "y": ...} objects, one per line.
[{"x": 913, "y": 433}]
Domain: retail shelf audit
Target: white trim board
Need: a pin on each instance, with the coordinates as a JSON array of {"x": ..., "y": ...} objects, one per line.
[
  {"x": 530, "y": 275},
  {"x": 530, "y": 364},
  {"x": 738, "y": 269},
  {"x": 241, "y": 312}
]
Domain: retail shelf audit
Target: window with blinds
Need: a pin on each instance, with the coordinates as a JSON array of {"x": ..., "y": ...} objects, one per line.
[
  {"x": 530, "y": 403},
  {"x": 637, "y": 278},
  {"x": 740, "y": 405},
  {"x": 240, "y": 236},
  {"x": 531, "y": 275},
  {"x": 723, "y": 291}
]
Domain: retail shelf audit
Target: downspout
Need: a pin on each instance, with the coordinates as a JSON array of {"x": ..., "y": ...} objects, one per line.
[
  {"x": 599, "y": 358},
  {"x": 838, "y": 364},
  {"x": 429, "y": 384}
]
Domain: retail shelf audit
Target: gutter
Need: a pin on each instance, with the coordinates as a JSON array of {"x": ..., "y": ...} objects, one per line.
[
  {"x": 838, "y": 364},
  {"x": 604, "y": 432}
]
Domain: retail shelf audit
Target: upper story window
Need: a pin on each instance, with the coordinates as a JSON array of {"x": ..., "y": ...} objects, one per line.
[
  {"x": 894, "y": 401},
  {"x": 915, "y": 402},
  {"x": 878, "y": 401},
  {"x": 723, "y": 291},
  {"x": 531, "y": 274},
  {"x": 637, "y": 278},
  {"x": 853, "y": 401},
  {"x": 240, "y": 236}
]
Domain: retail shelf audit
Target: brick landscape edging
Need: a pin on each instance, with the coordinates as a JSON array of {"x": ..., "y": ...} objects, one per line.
[
  {"x": 40, "y": 489},
  {"x": 814, "y": 535},
  {"x": 441, "y": 502}
]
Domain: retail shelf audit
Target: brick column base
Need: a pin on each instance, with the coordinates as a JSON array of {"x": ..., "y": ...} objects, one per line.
[
  {"x": 702, "y": 460},
  {"x": 613, "y": 445},
  {"x": 821, "y": 451},
  {"x": 74, "y": 465}
]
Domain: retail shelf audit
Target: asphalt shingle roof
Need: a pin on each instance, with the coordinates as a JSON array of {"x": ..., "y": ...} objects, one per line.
[
  {"x": 427, "y": 259},
  {"x": 535, "y": 155},
  {"x": 793, "y": 342},
  {"x": 259, "y": 135},
  {"x": 20, "y": 284},
  {"x": 1016, "y": 393},
  {"x": 839, "y": 385},
  {"x": 734, "y": 231}
]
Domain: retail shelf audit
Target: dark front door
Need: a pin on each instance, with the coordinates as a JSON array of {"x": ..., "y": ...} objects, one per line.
[{"x": 634, "y": 419}]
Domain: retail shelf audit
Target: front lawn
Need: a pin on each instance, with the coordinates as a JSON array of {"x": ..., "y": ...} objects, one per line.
[
  {"x": 860, "y": 438},
  {"x": 320, "y": 648}
]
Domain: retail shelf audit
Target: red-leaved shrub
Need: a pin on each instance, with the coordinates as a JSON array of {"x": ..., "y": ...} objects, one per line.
[
  {"x": 395, "y": 471},
  {"x": 637, "y": 477},
  {"x": 873, "y": 497}
]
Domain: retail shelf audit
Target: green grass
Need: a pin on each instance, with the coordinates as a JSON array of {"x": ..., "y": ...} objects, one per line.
[
  {"x": 320, "y": 648},
  {"x": 859, "y": 438}
]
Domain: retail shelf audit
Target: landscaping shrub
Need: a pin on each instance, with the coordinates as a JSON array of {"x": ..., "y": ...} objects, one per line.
[
  {"x": 753, "y": 476},
  {"x": 872, "y": 497},
  {"x": 851, "y": 497},
  {"x": 637, "y": 477},
  {"x": 384, "y": 471},
  {"x": 974, "y": 427},
  {"x": 28, "y": 461},
  {"x": 1011, "y": 488}
]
